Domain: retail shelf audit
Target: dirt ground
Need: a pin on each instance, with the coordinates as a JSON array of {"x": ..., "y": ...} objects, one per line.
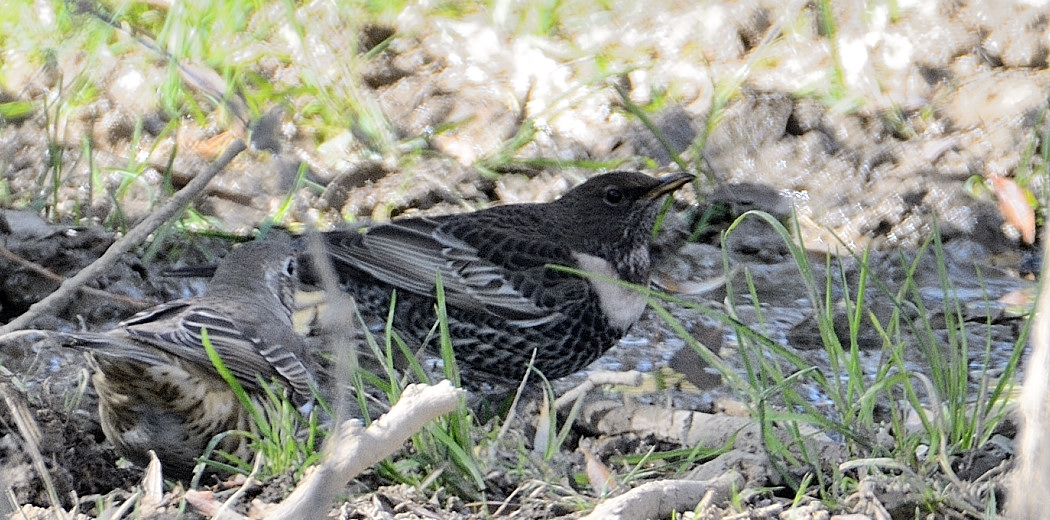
[{"x": 897, "y": 124}]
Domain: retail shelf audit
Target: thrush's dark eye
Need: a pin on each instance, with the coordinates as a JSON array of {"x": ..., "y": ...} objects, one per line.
[{"x": 613, "y": 196}]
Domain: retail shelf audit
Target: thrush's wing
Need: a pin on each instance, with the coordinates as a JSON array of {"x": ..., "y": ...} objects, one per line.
[
  {"x": 409, "y": 253},
  {"x": 177, "y": 328}
]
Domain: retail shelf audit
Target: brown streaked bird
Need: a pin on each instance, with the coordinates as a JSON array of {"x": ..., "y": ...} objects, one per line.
[
  {"x": 504, "y": 301},
  {"x": 157, "y": 388}
]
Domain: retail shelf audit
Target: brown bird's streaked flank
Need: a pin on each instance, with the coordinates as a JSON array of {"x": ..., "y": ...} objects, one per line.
[
  {"x": 504, "y": 301},
  {"x": 157, "y": 388}
]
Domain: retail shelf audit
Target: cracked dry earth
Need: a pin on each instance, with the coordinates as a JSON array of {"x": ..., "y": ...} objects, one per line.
[{"x": 943, "y": 93}]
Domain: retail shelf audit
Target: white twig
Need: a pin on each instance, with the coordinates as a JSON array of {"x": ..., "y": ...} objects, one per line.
[
  {"x": 352, "y": 449},
  {"x": 1031, "y": 479},
  {"x": 596, "y": 379},
  {"x": 660, "y": 499}
]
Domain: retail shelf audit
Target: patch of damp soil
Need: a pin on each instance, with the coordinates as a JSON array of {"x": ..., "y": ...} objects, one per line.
[{"x": 78, "y": 463}]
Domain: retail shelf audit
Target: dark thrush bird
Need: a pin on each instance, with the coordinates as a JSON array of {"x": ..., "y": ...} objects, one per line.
[
  {"x": 157, "y": 388},
  {"x": 504, "y": 301}
]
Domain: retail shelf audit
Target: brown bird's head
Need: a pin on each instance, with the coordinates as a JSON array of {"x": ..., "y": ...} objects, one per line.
[{"x": 261, "y": 269}]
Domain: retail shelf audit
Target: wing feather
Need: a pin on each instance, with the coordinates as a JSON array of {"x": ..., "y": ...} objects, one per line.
[
  {"x": 176, "y": 328},
  {"x": 409, "y": 253}
]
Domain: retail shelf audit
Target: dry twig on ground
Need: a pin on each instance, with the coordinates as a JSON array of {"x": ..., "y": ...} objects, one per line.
[
  {"x": 348, "y": 452},
  {"x": 137, "y": 235}
]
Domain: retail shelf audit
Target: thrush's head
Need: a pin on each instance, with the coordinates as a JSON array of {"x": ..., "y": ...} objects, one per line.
[
  {"x": 616, "y": 209},
  {"x": 260, "y": 269}
]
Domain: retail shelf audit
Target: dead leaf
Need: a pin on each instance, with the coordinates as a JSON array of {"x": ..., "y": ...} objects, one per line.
[{"x": 1013, "y": 204}]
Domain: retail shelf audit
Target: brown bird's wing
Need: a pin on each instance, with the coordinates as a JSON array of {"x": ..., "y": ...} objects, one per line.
[
  {"x": 150, "y": 399},
  {"x": 409, "y": 253},
  {"x": 177, "y": 328},
  {"x": 108, "y": 346}
]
